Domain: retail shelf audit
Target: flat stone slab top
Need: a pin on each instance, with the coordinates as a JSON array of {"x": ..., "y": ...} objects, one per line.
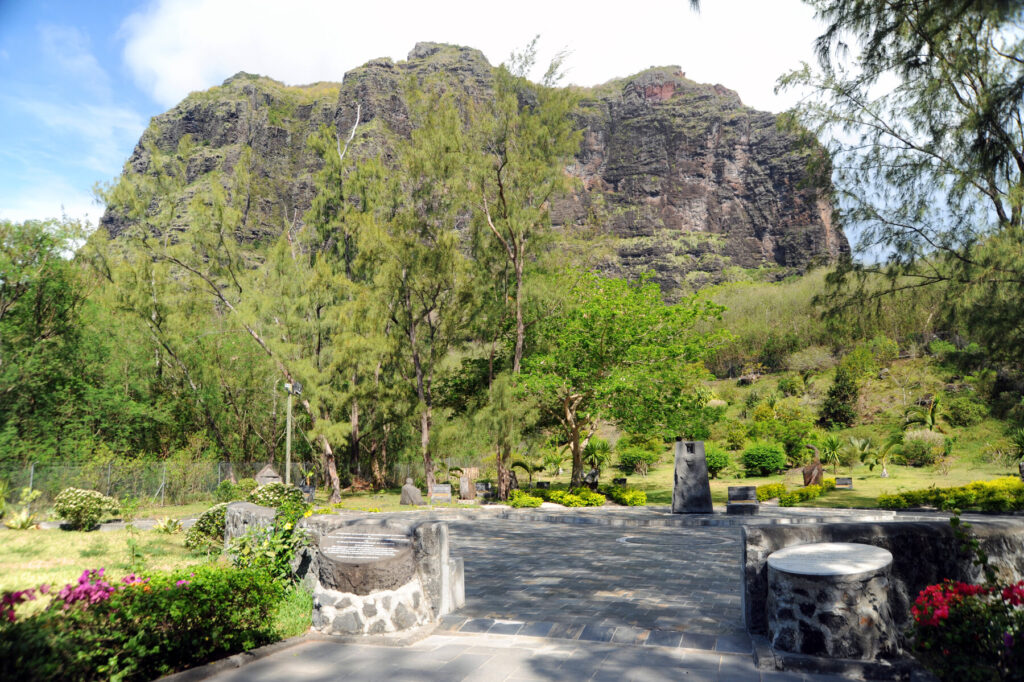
[{"x": 830, "y": 559}]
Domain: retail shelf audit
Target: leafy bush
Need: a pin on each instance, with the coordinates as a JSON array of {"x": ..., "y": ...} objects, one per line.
[
  {"x": 839, "y": 408},
  {"x": 735, "y": 435},
  {"x": 207, "y": 534},
  {"x": 999, "y": 495},
  {"x": 168, "y": 526},
  {"x": 226, "y": 492},
  {"x": 764, "y": 459},
  {"x": 627, "y": 497},
  {"x": 143, "y": 628},
  {"x": 83, "y": 508},
  {"x": 717, "y": 459},
  {"x": 770, "y": 491},
  {"x": 636, "y": 460},
  {"x": 269, "y": 549},
  {"x": 921, "y": 448},
  {"x": 580, "y": 497},
  {"x": 791, "y": 386},
  {"x": 811, "y": 360},
  {"x": 964, "y": 411},
  {"x": 246, "y": 486},
  {"x": 517, "y": 498},
  {"x": 275, "y": 495}
]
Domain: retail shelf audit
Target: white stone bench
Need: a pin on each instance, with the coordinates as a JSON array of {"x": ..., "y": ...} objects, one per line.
[{"x": 831, "y": 599}]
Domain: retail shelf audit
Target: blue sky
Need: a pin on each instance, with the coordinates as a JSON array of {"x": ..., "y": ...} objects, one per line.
[{"x": 80, "y": 80}]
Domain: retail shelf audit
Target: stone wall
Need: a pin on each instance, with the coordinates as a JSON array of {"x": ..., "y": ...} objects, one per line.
[
  {"x": 924, "y": 552},
  {"x": 241, "y": 517}
]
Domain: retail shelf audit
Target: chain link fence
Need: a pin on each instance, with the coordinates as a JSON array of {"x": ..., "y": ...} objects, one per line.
[{"x": 171, "y": 482}]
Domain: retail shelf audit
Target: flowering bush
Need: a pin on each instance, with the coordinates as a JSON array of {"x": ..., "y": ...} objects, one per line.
[
  {"x": 144, "y": 627},
  {"x": 275, "y": 495},
  {"x": 970, "y": 632},
  {"x": 207, "y": 534},
  {"x": 83, "y": 508}
]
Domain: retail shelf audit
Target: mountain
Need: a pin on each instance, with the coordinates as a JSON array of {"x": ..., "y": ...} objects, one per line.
[{"x": 684, "y": 179}]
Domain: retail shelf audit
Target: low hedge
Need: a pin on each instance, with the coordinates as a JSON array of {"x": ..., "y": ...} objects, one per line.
[
  {"x": 627, "y": 497},
  {"x": 764, "y": 459},
  {"x": 999, "y": 495},
  {"x": 143, "y": 628},
  {"x": 519, "y": 498},
  {"x": 207, "y": 533},
  {"x": 580, "y": 497},
  {"x": 805, "y": 494},
  {"x": 769, "y": 491}
]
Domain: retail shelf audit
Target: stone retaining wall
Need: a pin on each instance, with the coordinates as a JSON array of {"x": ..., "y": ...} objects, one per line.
[{"x": 924, "y": 552}]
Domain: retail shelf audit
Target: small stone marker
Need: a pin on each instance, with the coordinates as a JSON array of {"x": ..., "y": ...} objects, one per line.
[
  {"x": 742, "y": 500},
  {"x": 268, "y": 475},
  {"x": 844, "y": 483},
  {"x": 441, "y": 492},
  {"x": 467, "y": 491},
  {"x": 691, "y": 490},
  {"x": 411, "y": 494},
  {"x": 544, "y": 485},
  {"x": 483, "y": 487},
  {"x": 618, "y": 481}
]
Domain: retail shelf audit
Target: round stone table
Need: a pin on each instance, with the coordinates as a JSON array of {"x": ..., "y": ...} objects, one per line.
[{"x": 831, "y": 599}]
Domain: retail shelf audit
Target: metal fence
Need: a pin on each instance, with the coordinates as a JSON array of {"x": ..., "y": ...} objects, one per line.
[{"x": 170, "y": 482}]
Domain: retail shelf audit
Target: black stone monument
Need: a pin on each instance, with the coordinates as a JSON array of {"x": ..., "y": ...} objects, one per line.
[{"x": 691, "y": 491}]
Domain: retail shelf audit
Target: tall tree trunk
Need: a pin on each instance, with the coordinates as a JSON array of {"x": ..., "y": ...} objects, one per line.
[
  {"x": 378, "y": 462},
  {"x": 332, "y": 471},
  {"x": 520, "y": 326},
  {"x": 426, "y": 420},
  {"x": 504, "y": 474},
  {"x": 353, "y": 439}
]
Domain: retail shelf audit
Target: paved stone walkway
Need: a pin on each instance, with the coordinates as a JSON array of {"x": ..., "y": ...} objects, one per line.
[{"x": 567, "y": 599}]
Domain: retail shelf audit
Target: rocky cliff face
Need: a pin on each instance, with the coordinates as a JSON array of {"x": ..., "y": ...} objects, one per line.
[{"x": 686, "y": 181}]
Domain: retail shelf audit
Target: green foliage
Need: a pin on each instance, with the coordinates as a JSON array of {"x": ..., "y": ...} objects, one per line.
[
  {"x": 246, "y": 486},
  {"x": 207, "y": 533},
  {"x": 921, "y": 448},
  {"x": 627, "y": 497},
  {"x": 965, "y": 411},
  {"x": 269, "y": 549},
  {"x": 791, "y": 386},
  {"x": 617, "y": 350},
  {"x": 20, "y": 516},
  {"x": 764, "y": 459},
  {"x": 518, "y": 498},
  {"x": 227, "y": 492},
  {"x": 152, "y": 627},
  {"x": 770, "y": 491},
  {"x": 168, "y": 526},
  {"x": 840, "y": 406},
  {"x": 735, "y": 435},
  {"x": 597, "y": 453},
  {"x": 579, "y": 497},
  {"x": 636, "y": 460},
  {"x": 83, "y": 508},
  {"x": 806, "y": 493},
  {"x": 999, "y": 495},
  {"x": 717, "y": 459}
]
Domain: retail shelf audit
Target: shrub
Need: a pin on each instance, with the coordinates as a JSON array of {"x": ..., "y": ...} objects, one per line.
[
  {"x": 999, "y": 495},
  {"x": 717, "y": 459},
  {"x": 964, "y": 411},
  {"x": 624, "y": 496},
  {"x": 921, "y": 448},
  {"x": 590, "y": 498},
  {"x": 811, "y": 360},
  {"x": 648, "y": 443},
  {"x": 839, "y": 408},
  {"x": 580, "y": 497},
  {"x": 735, "y": 435},
  {"x": 517, "y": 498},
  {"x": 799, "y": 495},
  {"x": 207, "y": 534},
  {"x": 83, "y": 508},
  {"x": 143, "y": 628},
  {"x": 770, "y": 491},
  {"x": 269, "y": 549},
  {"x": 275, "y": 495},
  {"x": 226, "y": 492},
  {"x": 791, "y": 386},
  {"x": 763, "y": 459},
  {"x": 636, "y": 460},
  {"x": 246, "y": 486}
]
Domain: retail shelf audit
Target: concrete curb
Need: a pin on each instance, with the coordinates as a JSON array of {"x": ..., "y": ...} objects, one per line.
[{"x": 203, "y": 672}]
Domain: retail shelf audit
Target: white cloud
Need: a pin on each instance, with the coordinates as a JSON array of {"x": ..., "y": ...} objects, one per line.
[
  {"x": 48, "y": 198},
  {"x": 102, "y": 131},
  {"x": 176, "y": 46},
  {"x": 68, "y": 47}
]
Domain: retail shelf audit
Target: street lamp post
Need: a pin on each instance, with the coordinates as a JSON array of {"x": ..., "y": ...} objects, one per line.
[{"x": 294, "y": 388}]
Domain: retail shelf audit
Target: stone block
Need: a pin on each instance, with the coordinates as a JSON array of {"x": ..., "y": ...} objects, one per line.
[
  {"x": 691, "y": 489},
  {"x": 242, "y": 517}
]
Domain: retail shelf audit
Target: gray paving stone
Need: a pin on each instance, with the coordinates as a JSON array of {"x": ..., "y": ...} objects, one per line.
[
  {"x": 540, "y": 629},
  {"x": 477, "y": 625},
  {"x": 696, "y": 640},
  {"x": 736, "y": 644},
  {"x": 597, "y": 633},
  {"x": 669, "y": 638}
]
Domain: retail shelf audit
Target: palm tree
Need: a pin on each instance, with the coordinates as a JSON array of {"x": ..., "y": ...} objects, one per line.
[
  {"x": 874, "y": 456},
  {"x": 830, "y": 448},
  {"x": 928, "y": 418}
]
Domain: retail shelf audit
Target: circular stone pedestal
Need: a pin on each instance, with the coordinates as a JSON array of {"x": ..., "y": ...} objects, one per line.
[{"x": 831, "y": 599}]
